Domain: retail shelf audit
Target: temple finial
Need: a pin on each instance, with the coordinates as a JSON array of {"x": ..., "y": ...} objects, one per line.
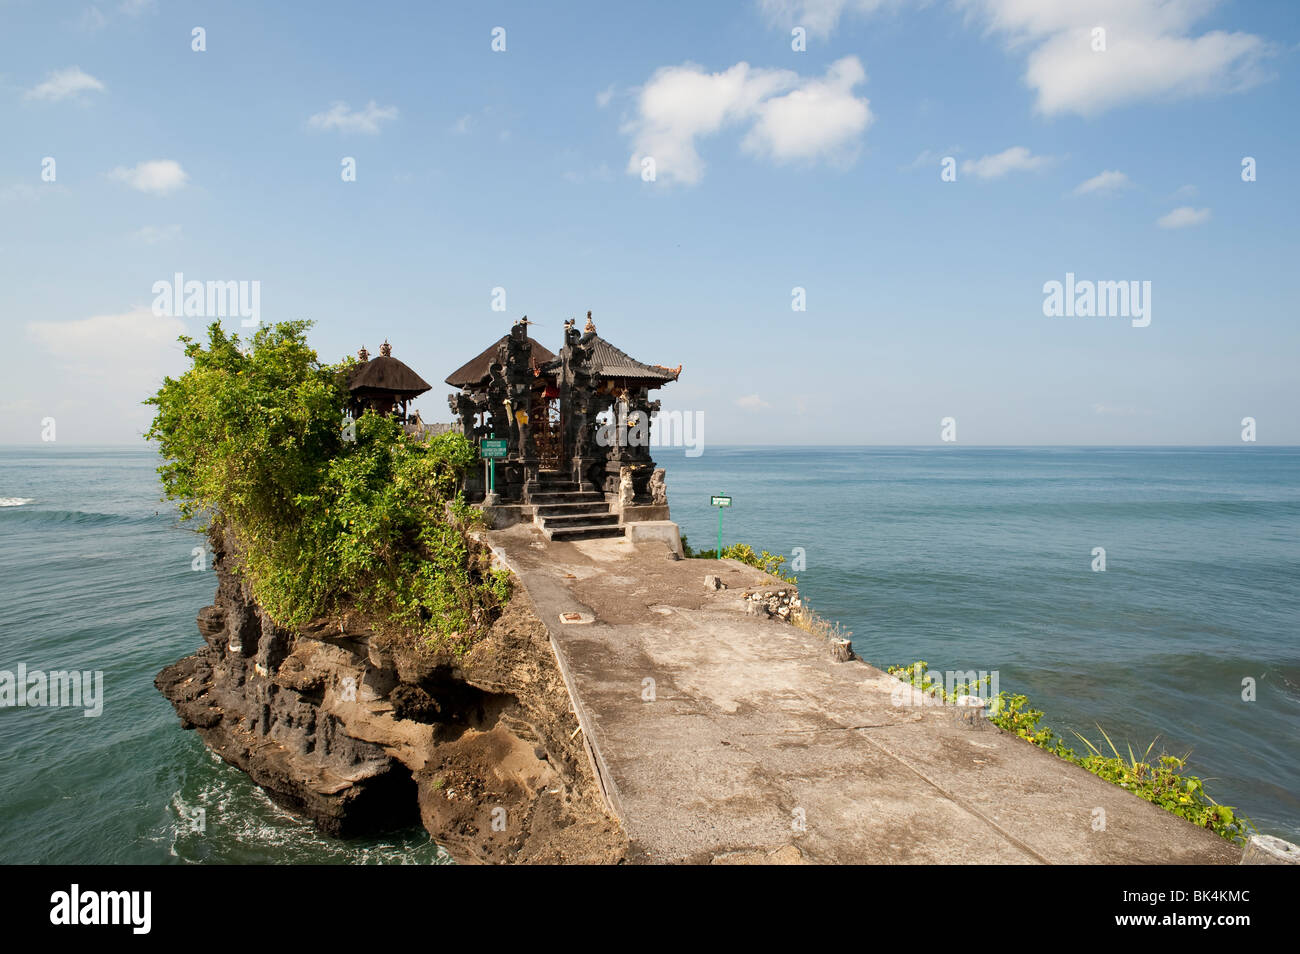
[
  {"x": 590, "y": 326},
  {"x": 363, "y": 354},
  {"x": 386, "y": 349}
]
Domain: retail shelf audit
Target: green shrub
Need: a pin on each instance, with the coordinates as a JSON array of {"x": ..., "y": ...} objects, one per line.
[
  {"x": 253, "y": 441},
  {"x": 767, "y": 562},
  {"x": 1164, "y": 782}
]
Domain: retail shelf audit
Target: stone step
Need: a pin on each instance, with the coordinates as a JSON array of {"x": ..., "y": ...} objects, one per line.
[
  {"x": 584, "y": 533},
  {"x": 568, "y": 509},
  {"x": 567, "y": 496},
  {"x": 580, "y": 520}
]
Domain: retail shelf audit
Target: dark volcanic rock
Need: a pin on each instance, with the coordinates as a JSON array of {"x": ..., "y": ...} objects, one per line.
[{"x": 361, "y": 738}]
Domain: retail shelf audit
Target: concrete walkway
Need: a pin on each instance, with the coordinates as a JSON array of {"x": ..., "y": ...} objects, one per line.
[{"x": 751, "y": 745}]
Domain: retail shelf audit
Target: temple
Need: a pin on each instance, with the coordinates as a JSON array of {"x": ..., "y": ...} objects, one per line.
[
  {"x": 385, "y": 385},
  {"x": 577, "y": 431}
]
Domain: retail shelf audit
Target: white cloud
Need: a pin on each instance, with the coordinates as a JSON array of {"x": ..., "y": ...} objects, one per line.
[
  {"x": 604, "y": 96},
  {"x": 599, "y": 173},
  {"x": 19, "y": 192},
  {"x": 1111, "y": 180},
  {"x": 924, "y": 158},
  {"x": 683, "y": 102},
  {"x": 92, "y": 19},
  {"x": 1015, "y": 159},
  {"x": 929, "y": 157},
  {"x": 131, "y": 339},
  {"x": 158, "y": 176},
  {"x": 64, "y": 83},
  {"x": 790, "y": 117},
  {"x": 340, "y": 117},
  {"x": 821, "y": 117},
  {"x": 1150, "y": 51},
  {"x": 751, "y": 402},
  {"x": 98, "y": 371},
  {"x": 155, "y": 234},
  {"x": 132, "y": 350},
  {"x": 1183, "y": 217},
  {"x": 818, "y": 17}
]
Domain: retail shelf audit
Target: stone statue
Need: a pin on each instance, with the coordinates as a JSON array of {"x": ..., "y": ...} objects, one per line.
[
  {"x": 579, "y": 406},
  {"x": 497, "y": 398},
  {"x": 658, "y": 488},
  {"x": 518, "y": 358},
  {"x": 625, "y": 492},
  {"x": 463, "y": 410}
]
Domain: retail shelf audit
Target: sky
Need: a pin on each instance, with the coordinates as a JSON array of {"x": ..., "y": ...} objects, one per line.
[{"x": 842, "y": 217}]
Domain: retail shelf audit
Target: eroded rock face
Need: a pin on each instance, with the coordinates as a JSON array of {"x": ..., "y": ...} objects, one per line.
[{"x": 361, "y": 737}]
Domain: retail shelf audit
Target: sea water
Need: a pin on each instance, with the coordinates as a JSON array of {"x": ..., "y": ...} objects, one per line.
[
  {"x": 967, "y": 558},
  {"x": 983, "y": 559}
]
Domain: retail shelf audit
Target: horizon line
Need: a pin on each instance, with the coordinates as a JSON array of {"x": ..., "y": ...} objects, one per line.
[{"x": 146, "y": 445}]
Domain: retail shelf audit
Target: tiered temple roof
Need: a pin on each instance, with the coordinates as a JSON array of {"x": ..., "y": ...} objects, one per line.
[
  {"x": 555, "y": 412},
  {"x": 608, "y": 361},
  {"x": 475, "y": 371},
  {"x": 611, "y": 363},
  {"x": 385, "y": 376}
]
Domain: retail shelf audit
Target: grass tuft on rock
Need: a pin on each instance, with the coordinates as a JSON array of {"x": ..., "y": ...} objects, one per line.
[{"x": 1163, "y": 781}]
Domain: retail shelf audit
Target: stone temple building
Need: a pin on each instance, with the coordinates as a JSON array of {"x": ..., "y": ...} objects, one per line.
[{"x": 577, "y": 426}]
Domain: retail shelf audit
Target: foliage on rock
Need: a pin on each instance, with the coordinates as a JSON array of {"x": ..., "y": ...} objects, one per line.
[
  {"x": 1163, "y": 782},
  {"x": 767, "y": 562},
  {"x": 324, "y": 519}
]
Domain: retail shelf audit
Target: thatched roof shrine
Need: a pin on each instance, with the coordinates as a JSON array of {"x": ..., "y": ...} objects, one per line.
[{"x": 475, "y": 371}]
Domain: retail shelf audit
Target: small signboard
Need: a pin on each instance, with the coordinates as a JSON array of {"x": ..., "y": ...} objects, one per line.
[
  {"x": 493, "y": 448},
  {"x": 721, "y": 501}
]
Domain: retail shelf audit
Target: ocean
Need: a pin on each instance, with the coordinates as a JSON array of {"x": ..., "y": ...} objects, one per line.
[
  {"x": 968, "y": 558},
  {"x": 96, "y": 574}
]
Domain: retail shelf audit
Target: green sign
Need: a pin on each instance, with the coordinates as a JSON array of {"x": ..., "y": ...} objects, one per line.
[
  {"x": 719, "y": 501},
  {"x": 493, "y": 448}
]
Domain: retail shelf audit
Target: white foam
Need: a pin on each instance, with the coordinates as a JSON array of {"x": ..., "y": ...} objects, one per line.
[{"x": 15, "y": 501}]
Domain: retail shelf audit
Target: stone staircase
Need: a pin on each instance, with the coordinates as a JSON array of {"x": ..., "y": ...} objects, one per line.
[{"x": 563, "y": 512}]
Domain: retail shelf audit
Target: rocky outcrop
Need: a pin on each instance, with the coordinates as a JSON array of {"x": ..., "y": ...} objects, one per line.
[
  {"x": 361, "y": 736},
  {"x": 772, "y": 603}
]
